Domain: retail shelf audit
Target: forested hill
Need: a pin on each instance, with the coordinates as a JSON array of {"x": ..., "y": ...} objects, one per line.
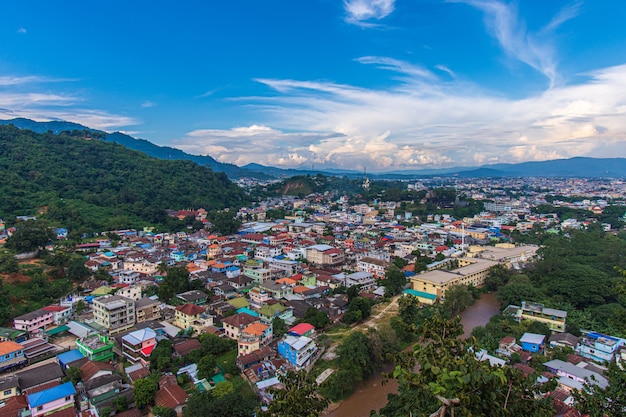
[
  {"x": 82, "y": 182},
  {"x": 142, "y": 145}
]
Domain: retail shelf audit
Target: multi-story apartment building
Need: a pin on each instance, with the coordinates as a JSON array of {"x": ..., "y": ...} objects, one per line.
[
  {"x": 147, "y": 309},
  {"x": 114, "y": 312},
  {"x": 432, "y": 285},
  {"x": 257, "y": 273},
  {"x": 31, "y": 322},
  {"x": 253, "y": 337},
  {"x": 553, "y": 318},
  {"x": 325, "y": 255},
  {"x": 96, "y": 347},
  {"x": 297, "y": 350},
  {"x": 376, "y": 267},
  {"x": 599, "y": 347},
  {"x": 138, "y": 345},
  {"x": 142, "y": 266}
]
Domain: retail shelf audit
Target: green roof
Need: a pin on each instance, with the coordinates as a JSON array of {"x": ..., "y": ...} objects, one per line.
[
  {"x": 57, "y": 330},
  {"x": 238, "y": 302},
  {"x": 269, "y": 310},
  {"x": 104, "y": 290},
  {"x": 421, "y": 294}
]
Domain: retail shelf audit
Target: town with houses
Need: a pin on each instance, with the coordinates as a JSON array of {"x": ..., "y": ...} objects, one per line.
[{"x": 283, "y": 268}]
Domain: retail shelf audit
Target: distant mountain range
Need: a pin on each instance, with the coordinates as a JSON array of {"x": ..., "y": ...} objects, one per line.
[{"x": 573, "y": 167}]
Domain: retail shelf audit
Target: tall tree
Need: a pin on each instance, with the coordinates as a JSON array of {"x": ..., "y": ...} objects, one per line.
[
  {"x": 394, "y": 281},
  {"x": 145, "y": 391},
  {"x": 610, "y": 401},
  {"x": 30, "y": 236},
  {"x": 452, "y": 381},
  {"x": 299, "y": 398}
]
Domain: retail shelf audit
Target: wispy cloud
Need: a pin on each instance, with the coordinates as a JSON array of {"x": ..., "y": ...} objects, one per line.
[
  {"x": 148, "y": 104},
  {"x": 33, "y": 97},
  {"x": 13, "y": 80},
  {"x": 21, "y": 30},
  {"x": 534, "y": 48},
  {"x": 365, "y": 13},
  {"x": 397, "y": 66},
  {"x": 421, "y": 124}
]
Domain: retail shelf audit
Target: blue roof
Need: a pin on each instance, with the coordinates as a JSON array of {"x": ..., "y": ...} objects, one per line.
[
  {"x": 248, "y": 311},
  {"x": 70, "y": 356},
  {"x": 416, "y": 293},
  {"x": 43, "y": 397}
]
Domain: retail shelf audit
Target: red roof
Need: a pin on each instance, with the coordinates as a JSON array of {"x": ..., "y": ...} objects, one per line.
[
  {"x": 146, "y": 351},
  {"x": 170, "y": 396},
  {"x": 55, "y": 308},
  {"x": 301, "y": 328},
  {"x": 190, "y": 309}
]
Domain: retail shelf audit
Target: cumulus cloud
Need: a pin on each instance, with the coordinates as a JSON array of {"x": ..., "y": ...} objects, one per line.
[
  {"x": 364, "y": 12},
  {"x": 423, "y": 122}
]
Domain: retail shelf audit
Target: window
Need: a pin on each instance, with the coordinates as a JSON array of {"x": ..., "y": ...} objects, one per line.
[
  {"x": 40, "y": 408},
  {"x": 68, "y": 398},
  {"x": 8, "y": 392}
]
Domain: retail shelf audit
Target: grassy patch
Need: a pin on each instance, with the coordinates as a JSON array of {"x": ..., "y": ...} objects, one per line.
[{"x": 226, "y": 361}]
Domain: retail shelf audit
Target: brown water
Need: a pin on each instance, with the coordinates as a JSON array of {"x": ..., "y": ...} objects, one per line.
[{"x": 372, "y": 395}]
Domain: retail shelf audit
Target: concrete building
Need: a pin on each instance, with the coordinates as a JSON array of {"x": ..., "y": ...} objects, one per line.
[
  {"x": 115, "y": 313},
  {"x": 325, "y": 255},
  {"x": 299, "y": 351},
  {"x": 33, "y": 321},
  {"x": 599, "y": 347},
  {"x": 470, "y": 271},
  {"x": 553, "y": 318}
]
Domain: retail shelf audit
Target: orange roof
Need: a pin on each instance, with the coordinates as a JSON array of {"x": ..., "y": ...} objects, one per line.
[
  {"x": 8, "y": 347},
  {"x": 256, "y": 329},
  {"x": 192, "y": 267},
  {"x": 286, "y": 281},
  {"x": 300, "y": 288},
  {"x": 219, "y": 265},
  {"x": 211, "y": 262}
]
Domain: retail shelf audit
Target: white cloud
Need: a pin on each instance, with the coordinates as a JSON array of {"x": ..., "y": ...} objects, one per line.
[
  {"x": 148, "y": 104},
  {"x": 363, "y": 12},
  {"x": 534, "y": 48},
  {"x": 26, "y": 96},
  {"x": 21, "y": 30},
  {"x": 423, "y": 123}
]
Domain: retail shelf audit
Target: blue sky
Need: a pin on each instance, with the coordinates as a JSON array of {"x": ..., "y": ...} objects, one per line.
[{"x": 354, "y": 84}]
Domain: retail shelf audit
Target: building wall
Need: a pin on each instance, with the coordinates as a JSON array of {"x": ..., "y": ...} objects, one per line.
[{"x": 55, "y": 405}]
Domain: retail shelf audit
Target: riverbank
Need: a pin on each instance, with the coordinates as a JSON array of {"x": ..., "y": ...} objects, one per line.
[{"x": 372, "y": 394}]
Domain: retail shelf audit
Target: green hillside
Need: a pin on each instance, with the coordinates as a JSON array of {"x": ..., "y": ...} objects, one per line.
[{"x": 78, "y": 181}]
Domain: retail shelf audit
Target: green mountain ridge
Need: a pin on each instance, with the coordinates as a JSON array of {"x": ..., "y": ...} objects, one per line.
[
  {"x": 142, "y": 145},
  {"x": 572, "y": 167},
  {"x": 77, "y": 180}
]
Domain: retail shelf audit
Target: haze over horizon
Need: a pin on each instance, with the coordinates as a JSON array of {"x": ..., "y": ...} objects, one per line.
[{"x": 354, "y": 84}]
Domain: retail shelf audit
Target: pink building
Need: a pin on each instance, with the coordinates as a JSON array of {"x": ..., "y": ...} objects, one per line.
[
  {"x": 138, "y": 345},
  {"x": 39, "y": 319},
  {"x": 51, "y": 400}
]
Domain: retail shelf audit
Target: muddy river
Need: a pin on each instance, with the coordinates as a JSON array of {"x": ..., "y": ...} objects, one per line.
[{"x": 372, "y": 394}]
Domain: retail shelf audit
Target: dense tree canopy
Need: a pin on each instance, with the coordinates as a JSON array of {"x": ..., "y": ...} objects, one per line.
[
  {"x": 299, "y": 398},
  {"x": 452, "y": 381},
  {"x": 29, "y": 236},
  {"x": 90, "y": 185}
]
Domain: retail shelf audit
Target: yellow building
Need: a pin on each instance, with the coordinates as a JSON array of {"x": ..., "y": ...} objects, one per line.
[{"x": 470, "y": 271}]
